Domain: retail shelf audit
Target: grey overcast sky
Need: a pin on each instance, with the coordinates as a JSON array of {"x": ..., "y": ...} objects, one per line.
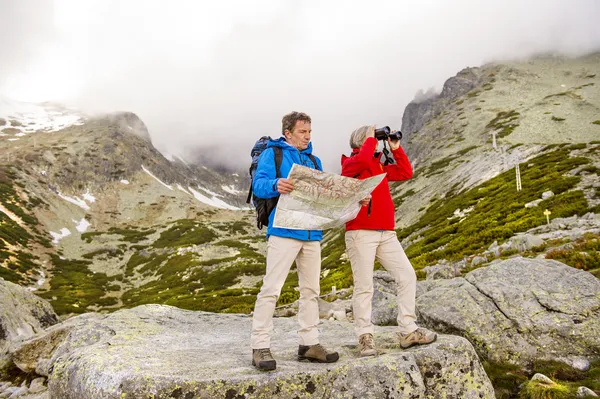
[{"x": 215, "y": 75}]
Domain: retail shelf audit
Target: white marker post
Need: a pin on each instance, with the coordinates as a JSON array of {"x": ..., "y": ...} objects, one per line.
[
  {"x": 518, "y": 173},
  {"x": 333, "y": 290},
  {"x": 494, "y": 139},
  {"x": 547, "y": 213}
]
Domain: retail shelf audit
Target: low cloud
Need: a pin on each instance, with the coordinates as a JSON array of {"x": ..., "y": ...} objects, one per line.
[{"x": 209, "y": 79}]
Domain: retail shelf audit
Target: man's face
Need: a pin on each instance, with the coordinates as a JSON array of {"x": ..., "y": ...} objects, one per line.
[{"x": 299, "y": 137}]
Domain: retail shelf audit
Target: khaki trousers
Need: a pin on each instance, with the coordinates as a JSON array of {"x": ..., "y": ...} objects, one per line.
[
  {"x": 281, "y": 253},
  {"x": 363, "y": 246}
]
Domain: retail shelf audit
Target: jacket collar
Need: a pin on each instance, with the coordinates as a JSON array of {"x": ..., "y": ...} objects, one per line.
[{"x": 280, "y": 142}]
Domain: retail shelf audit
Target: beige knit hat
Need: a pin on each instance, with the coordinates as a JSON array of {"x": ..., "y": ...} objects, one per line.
[{"x": 357, "y": 138}]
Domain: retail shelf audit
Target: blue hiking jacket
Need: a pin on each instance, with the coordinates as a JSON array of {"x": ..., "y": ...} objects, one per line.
[{"x": 264, "y": 184}]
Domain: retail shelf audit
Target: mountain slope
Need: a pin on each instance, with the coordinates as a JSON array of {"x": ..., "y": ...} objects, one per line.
[
  {"x": 83, "y": 206},
  {"x": 463, "y": 196},
  {"x": 96, "y": 219}
]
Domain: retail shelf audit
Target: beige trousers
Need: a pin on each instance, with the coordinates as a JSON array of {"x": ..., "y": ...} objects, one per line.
[
  {"x": 363, "y": 246},
  {"x": 281, "y": 253}
]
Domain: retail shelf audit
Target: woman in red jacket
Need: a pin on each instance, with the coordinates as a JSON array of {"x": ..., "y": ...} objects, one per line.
[{"x": 371, "y": 235}]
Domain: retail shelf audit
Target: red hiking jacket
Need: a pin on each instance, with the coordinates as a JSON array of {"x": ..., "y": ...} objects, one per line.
[{"x": 363, "y": 164}]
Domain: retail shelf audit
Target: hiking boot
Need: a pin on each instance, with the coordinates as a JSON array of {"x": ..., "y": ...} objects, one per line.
[
  {"x": 367, "y": 345},
  {"x": 316, "y": 353},
  {"x": 263, "y": 360},
  {"x": 420, "y": 336}
]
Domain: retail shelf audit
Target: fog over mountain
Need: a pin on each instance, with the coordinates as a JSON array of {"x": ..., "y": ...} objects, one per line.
[{"x": 217, "y": 75}]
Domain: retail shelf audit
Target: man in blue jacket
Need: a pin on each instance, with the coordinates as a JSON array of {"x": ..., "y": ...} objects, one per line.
[{"x": 286, "y": 246}]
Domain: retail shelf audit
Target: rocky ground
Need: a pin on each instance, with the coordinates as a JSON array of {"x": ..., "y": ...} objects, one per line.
[{"x": 166, "y": 352}]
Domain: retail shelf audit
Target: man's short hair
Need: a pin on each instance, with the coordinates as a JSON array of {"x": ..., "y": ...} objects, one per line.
[
  {"x": 289, "y": 121},
  {"x": 358, "y": 137}
]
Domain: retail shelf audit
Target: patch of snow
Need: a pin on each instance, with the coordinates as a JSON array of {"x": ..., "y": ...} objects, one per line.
[
  {"x": 125, "y": 181},
  {"x": 230, "y": 189},
  {"x": 210, "y": 192},
  {"x": 82, "y": 225},
  {"x": 39, "y": 117},
  {"x": 42, "y": 278},
  {"x": 64, "y": 232},
  {"x": 157, "y": 179},
  {"x": 461, "y": 213},
  {"x": 43, "y": 172},
  {"x": 11, "y": 215},
  {"x": 183, "y": 189},
  {"x": 181, "y": 159},
  {"x": 89, "y": 197},
  {"x": 77, "y": 201},
  {"x": 13, "y": 139},
  {"x": 212, "y": 201},
  {"x": 19, "y": 134},
  {"x": 235, "y": 174}
]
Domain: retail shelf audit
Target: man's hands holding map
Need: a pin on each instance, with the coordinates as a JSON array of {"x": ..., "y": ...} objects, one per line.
[{"x": 285, "y": 186}]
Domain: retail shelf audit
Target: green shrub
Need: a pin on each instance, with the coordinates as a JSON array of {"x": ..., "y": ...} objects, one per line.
[
  {"x": 499, "y": 210},
  {"x": 503, "y": 123},
  {"x": 109, "y": 251},
  {"x": 74, "y": 286},
  {"x": 88, "y": 236},
  {"x": 439, "y": 166},
  {"x": 466, "y": 150},
  {"x": 584, "y": 254},
  {"x": 184, "y": 232},
  {"x": 11, "y": 276},
  {"x": 238, "y": 227},
  {"x": 506, "y": 378},
  {"x": 131, "y": 235},
  {"x": 538, "y": 390}
]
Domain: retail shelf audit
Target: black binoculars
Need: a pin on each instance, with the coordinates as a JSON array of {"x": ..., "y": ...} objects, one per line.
[{"x": 384, "y": 133}]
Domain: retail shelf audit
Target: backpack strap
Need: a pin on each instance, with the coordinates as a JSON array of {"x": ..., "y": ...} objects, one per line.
[
  {"x": 249, "y": 194},
  {"x": 314, "y": 161},
  {"x": 250, "y": 189},
  {"x": 278, "y": 159}
]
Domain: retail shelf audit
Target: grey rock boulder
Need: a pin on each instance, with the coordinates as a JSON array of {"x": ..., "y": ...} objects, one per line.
[
  {"x": 22, "y": 315},
  {"x": 533, "y": 204},
  {"x": 37, "y": 385},
  {"x": 585, "y": 392},
  {"x": 38, "y": 353},
  {"x": 578, "y": 363},
  {"x": 519, "y": 310},
  {"x": 541, "y": 378},
  {"x": 336, "y": 309},
  {"x": 385, "y": 308},
  {"x": 478, "y": 260},
  {"x": 547, "y": 194},
  {"x": 444, "y": 270},
  {"x": 525, "y": 242},
  {"x": 165, "y": 352}
]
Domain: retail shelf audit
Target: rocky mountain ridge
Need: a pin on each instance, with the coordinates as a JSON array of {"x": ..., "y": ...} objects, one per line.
[
  {"x": 75, "y": 198},
  {"x": 94, "y": 219}
]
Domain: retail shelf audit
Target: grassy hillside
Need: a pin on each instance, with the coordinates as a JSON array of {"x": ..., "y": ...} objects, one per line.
[
  {"x": 153, "y": 242},
  {"x": 22, "y": 242}
]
